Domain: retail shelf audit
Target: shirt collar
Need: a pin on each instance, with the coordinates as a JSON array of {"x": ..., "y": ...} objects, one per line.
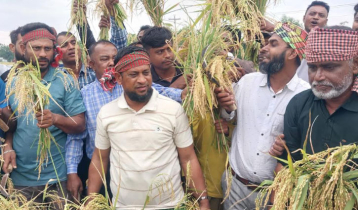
[
  {"x": 291, "y": 85},
  {"x": 82, "y": 70},
  {"x": 151, "y": 105}
]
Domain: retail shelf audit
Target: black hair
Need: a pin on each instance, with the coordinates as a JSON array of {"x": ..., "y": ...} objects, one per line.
[
  {"x": 235, "y": 32},
  {"x": 318, "y": 3},
  {"x": 145, "y": 27},
  {"x": 355, "y": 9},
  {"x": 156, "y": 37},
  {"x": 128, "y": 50},
  {"x": 33, "y": 26},
  {"x": 14, "y": 34},
  {"x": 298, "y": 61},
  {"x": 94, "y": 45},
  {"x": 135, "y": 43},
  {"x": 64, "y": 33}
]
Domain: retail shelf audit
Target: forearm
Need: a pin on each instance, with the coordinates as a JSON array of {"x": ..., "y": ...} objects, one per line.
[
  {"x": 96, "y": 174},
  {"x": 7, "y": 116},
  {"x": 8, "y": 140},
  {"x": 69, "y": 125},
  {"x": 195, "y": 177}
]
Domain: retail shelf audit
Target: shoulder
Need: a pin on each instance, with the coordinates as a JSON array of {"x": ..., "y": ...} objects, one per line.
[
  {"x": 109, "y": 109},
  {"x": 301, "y": 99},
  {"x": 88, "y": 88},
  {"x": 303, "y": 85},
  {"x": 168, "y": 105}
]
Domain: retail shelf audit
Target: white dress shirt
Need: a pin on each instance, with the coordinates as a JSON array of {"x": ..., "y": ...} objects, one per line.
[
  {"x": 302, "y": 71},
  {"x": 259, "y": 119}
]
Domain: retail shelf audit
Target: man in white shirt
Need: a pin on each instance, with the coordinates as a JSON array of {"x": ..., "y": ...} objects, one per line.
[
  {"x": 261, "y": 99},
  {"x": 148, "y": 140}
]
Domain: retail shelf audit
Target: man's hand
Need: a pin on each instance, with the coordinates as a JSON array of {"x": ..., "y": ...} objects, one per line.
[
  {"x": 266, "y": 25},
  {"x": 204, "y": 204},
  {"x": 76, "y": 7},
  {"x": 278, "y": 147},
  {"x": 74, "y": 186},
  {"x": 45, "y": 119},
  {"x": 184, "y": 93},
  {"x": 105, "y": 22},
  {"x": 9, "y": 159},
  {"x": 110, "y": 4},
  {"x": 225, "y": 98},
  {"x": 179, "y": 83},
  {"x": 221, "y": 126}
]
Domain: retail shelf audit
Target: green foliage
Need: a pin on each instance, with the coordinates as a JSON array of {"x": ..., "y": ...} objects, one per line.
[
  {"x": 6, "y": 53},
  {"x": 285, "y": 18}
]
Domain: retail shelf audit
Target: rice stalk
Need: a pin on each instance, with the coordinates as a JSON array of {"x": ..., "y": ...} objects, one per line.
[
  {"x": 78, "y": 17},
  {"x": 325, "y": 180},
  {"x": 101, "y": 9}
]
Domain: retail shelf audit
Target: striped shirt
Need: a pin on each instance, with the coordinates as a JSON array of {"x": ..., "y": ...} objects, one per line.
[{"x": 144, "y": 157}]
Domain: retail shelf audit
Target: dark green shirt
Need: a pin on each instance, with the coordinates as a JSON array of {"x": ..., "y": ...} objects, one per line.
[{"x": 328, "y": 131}]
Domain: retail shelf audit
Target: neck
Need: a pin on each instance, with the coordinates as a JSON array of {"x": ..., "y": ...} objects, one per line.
[
  {"x": 136, "y": 106},
  {"x": 43, "y": 74},
  {"x": 279, "y": 80},
  {"x": 75, "y": 68},
  {"x": 333, "y": 104},
  {"x": 166, "y": 74}
]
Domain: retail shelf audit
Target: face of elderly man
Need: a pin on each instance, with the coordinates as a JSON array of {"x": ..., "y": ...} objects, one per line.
[{"x": 330, "y": 79}]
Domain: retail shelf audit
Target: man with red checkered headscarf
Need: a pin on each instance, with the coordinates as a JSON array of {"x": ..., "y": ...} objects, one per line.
[
  {"x": 330, "y": 106},
  {"x": 63, "y": 115},
  {"x": 148, "y": 139}
]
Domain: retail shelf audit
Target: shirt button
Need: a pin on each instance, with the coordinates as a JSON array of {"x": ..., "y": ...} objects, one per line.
[
  {"x": 268, "y": 115},
  {"x": 274, "y": 96},
  {"x": 258, "y": 153},
  {"x": 254, "y": 172},
  {"x": 262, "y": 134}
]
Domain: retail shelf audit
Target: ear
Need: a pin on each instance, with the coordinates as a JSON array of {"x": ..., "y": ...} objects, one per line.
[
  {"x": 118, "y": 77},
  {"x": 90, "y": 63},
  {"x": 12, "y": 47},
  {"x": 355, "y": 66},
  {"x": 292, "y": 54}
]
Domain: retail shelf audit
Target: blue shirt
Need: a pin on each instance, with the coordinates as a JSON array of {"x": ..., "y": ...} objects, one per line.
[
  {"x": 85, "y": 78},
  {"x": 118, "y": 35},
  {"x": 94, "y": 97},
  {"x": 26, "y": 136}
]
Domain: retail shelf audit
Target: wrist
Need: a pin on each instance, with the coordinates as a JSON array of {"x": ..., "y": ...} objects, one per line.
[{"x": 54, "y": 119}]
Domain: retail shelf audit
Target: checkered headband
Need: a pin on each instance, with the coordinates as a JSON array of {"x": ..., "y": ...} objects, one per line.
[
  {"x": 293, "y": 35},
  {"x": 331, "y": 45},
  {"x": 132, "y": 60},
  {"x": 38, "y": 34}
]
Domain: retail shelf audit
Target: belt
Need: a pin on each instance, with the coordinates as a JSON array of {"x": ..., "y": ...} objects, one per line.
[{"x": 248, "y": 183}]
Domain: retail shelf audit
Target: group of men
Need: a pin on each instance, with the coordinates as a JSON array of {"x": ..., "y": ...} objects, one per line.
[{"x": 127, "y": 117}]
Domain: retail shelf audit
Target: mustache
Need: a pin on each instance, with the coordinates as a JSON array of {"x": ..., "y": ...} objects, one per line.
[
  {"x": 43, "y": 59},
  {"x": 325, "y": 83}
]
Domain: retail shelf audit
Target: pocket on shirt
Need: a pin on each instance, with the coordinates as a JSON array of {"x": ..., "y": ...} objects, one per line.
[{"x": 277, "y": 125}]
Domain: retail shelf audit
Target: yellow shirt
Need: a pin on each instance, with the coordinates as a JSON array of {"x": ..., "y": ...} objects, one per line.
[{"x": 212, "y": 161}]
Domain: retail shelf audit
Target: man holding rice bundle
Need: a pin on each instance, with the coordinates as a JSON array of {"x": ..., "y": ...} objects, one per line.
[
  {"x": 63, "y": 115},
  {"x": 148, "y": 139},
  {"x": 331, "y": 106},
  {"x": 261, "y": 99}
]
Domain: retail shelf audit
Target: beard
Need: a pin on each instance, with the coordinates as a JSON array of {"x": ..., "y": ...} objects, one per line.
[
  {"x": 18, "y": 56},
  {"x": 133, "y": 96},
  {"x": 274, "y": 66},
  {"x": 336, "y": 91}
]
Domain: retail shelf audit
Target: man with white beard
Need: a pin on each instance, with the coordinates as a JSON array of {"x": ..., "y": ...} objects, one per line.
[{"x": 331, "y": 106}]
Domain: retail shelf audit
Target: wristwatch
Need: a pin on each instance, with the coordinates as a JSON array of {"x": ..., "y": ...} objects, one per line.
[{"x": 203, "y": 198}]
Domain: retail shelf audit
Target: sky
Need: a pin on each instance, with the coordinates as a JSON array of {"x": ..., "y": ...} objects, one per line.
[{"x": 56, "y": 13}]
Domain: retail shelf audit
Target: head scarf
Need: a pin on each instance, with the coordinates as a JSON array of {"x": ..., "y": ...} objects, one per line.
[
  {"x": 293, "y": 35},
  {"x": 40, "y": 34},
  {"x": 331, "y": 45},
  {"x": 129, "y": 61}
]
